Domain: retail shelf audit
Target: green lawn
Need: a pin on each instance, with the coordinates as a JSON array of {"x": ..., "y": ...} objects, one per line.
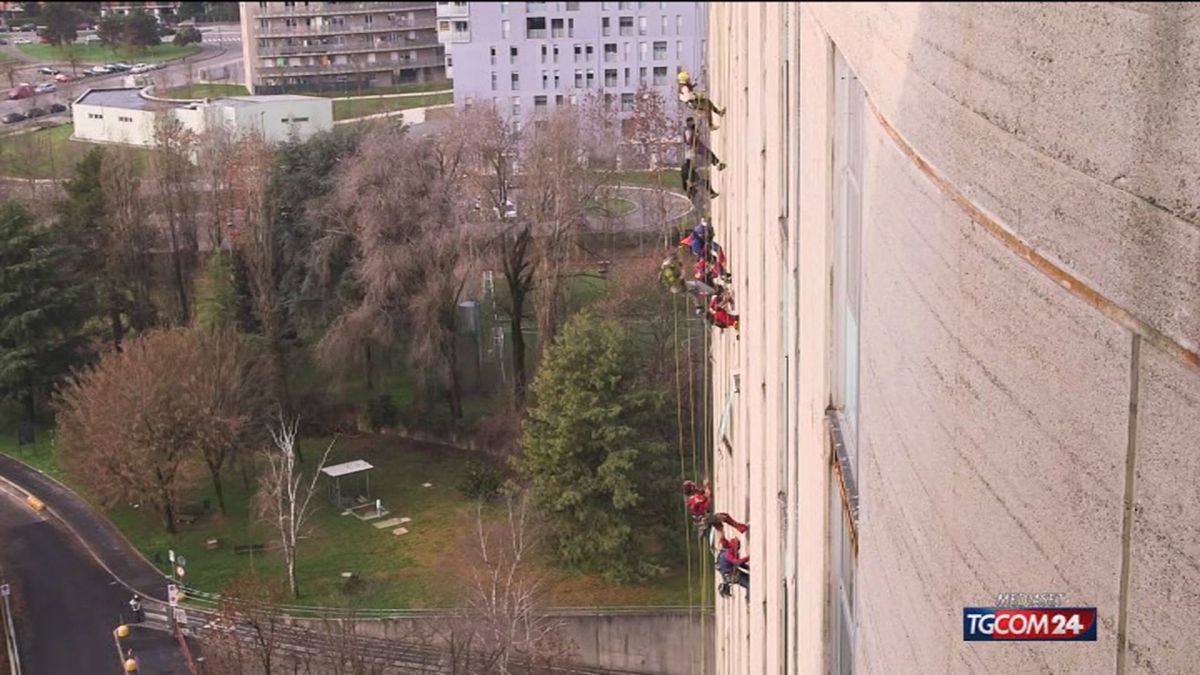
[
  {"x": 46, "y": 153},
  {"x": 344, "y": 110},
  {"x": 414, "y": 88},
  {"x": 612, "y": 206},
  {"x": 98, "y": 53},
  {"x": 40, "y": 455},
  {"x": 663, "y": 178},
  {"x": 211, "y": 90}
]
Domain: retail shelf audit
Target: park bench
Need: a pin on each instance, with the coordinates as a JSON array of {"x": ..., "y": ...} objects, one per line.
[{"x": 249, "y": 548}]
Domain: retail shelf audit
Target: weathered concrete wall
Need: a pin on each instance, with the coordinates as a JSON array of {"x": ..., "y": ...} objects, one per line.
[
  {"x": 1030, "y": 327},
  {"x": 636, "y": 642}
]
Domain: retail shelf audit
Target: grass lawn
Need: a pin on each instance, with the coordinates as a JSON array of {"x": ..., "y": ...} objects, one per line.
[
  {"x": 40, "y": 455},
  {"x": 344, "y": 110},
  {"x": 98, "y": 53},
  {"x": 612, "y": 206},
  {"x": 414, "y": 88},
  {"x": 207, "y": 91},
  {"x": 46, "y": 153},
  {"x": 663, "y": 178}
]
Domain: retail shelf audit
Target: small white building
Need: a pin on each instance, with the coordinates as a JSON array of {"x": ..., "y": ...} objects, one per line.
[{"x": 127, "y": 116}]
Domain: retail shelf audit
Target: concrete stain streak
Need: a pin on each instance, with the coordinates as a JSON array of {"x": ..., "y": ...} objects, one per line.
[
  {"x": 1127, "y": 518},
  {"x": 1013, "y": 242}
]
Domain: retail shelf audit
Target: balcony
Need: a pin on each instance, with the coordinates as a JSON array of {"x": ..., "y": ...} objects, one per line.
[
  {"x": 447, "y": 10},
  {"x": 535, "y": 33},
  {"x": 345, "y": 29},
  {"x": 349, "y": 48},
  {"x": 340, "y": 68},
  {"x": 341, "y": 8}
]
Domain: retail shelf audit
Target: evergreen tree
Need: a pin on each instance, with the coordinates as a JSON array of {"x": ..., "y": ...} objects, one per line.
[
  {"x": 598, "y": 468},
  {"x": 62, "y": 21},
  {"x": 41, "y": 309}
]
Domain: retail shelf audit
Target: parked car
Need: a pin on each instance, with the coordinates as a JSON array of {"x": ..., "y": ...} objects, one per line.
[
  {"x": 45, "y": 88},
  {"x": 120, "y": 67},
  {"x": 22, "y": 41},
  {"x": 3, "y": 41},
  {"x": 139, "y": 69},
  {"x": 48, "y": 70},
  {"x": 57, "y": 108},
  {"x": 98, "y": 70},
  {"x": 35, "y": 112},
  {"x": 63, "y": 77},
  {"x": 12, "y": 117},
  {"x": 23, "y": 90}
]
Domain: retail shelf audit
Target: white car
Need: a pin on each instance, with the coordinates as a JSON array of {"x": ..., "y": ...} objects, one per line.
[
  {"x": 22, "y": 41},
  {"x": 510, "y": 210},
  {"x": 45, "y": 88}
]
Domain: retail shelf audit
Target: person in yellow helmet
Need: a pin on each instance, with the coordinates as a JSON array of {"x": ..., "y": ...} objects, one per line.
[{"x": 697, "y": 100}]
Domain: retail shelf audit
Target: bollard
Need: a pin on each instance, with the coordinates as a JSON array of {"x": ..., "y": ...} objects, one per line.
[
  {"x": 35, "y": 503},
  {"x": 122, "y": 631},
  {"x": 131, "y": 666}
]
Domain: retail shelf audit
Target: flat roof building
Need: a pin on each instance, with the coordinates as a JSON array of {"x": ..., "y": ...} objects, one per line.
[
  {"x": 127, "y": 116},
  {"x": 339, "y": 46}
]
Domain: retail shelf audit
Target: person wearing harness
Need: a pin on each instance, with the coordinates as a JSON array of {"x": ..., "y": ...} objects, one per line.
[
  {"x": 697, "y": 100},
  {"x": 699, "y": 505},
  {"x": 693, "y": 145},
  {"x": 734, "y": 567}
]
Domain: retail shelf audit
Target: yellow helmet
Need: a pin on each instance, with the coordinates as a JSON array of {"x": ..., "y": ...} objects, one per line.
[{"x": 683, "y": 76}]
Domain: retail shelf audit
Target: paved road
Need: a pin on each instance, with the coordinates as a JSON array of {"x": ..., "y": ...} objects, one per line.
[
  {"x": 66, "y": 605},
  {"x": 222, "y": 47}
]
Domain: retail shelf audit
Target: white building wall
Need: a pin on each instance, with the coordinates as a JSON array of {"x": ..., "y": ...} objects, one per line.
[{"x": 100, "y": 124}]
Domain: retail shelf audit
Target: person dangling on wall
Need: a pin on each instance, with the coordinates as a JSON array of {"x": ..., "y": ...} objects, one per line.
[
  {"x": 670, "y": 273},
  {"x": 691, "y": 178},
  {"x": 720, "y": 311},
  {"x": 697, "y": 100},
  {"x": 699, "y": 506},
  {"x": 693, "y": 147},
  {"x": 733, "y": 567}
]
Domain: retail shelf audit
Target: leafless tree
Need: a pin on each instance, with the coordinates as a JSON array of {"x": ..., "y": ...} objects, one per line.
[
  {"x": 400, "y": 202},
  {"x": 561, "y": 181},
  {"x": 254, "y": 236},
  {"x": 248, "y": 632},
  {"x": 174, "y": 176},
  {"x": 285, "y": 497},
  {"x": 214, "y": 150},
  {"x": 650, "y": 129},
  {"x": 129, "y": 238},
  {"x": 127, "y": 428}
]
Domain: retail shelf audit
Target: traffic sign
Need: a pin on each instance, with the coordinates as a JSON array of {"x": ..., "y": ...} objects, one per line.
[
  {"x": 171, "y": 554},
  {"x": 5, "y": 591},
  {"x": 172, "y": 595},
  {"x": 180, "y": 571},
  {"x": 181, "y": 616},
  {"x": 180, "y": 560}
]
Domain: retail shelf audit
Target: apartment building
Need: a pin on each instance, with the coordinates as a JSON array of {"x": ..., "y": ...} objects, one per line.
[
  {"x": 339, "y": 46},
  {"x": 966, "y": 259},
  {"x": 529, "y": 57},
  {"x": 157, "y": 9}
]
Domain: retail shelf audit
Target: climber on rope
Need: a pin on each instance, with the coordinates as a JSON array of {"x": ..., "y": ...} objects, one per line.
[
  {"x": 696, "y": 240},
  {"x": 691, "y": 177},
  {"x": 693, "y": 145},
  {"x": 670, "y": 273},
  {"x": 697, "y": 100},
  {"x": 733, "y": 567},
  {"x": 720, "y": 312},
  {"x": 699, "y": 505}
]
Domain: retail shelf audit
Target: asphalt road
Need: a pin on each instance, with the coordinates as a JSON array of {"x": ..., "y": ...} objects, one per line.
[
  {"x": 66, "y": 605},
  {"x": 222, "y": 46}
]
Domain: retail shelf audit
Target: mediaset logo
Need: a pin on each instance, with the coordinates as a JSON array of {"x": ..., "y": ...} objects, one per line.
[{"x": 1029, "y": 616}]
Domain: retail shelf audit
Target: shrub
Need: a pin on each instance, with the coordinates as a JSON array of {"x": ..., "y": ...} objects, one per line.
[
  {"x": 482, "y": 481},
  {"x": 381, "y": 411}
]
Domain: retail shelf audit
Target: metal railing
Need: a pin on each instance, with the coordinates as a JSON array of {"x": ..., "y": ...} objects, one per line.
[
  {"x": 10, "y": 632},
  {"x": 343, "y": 29},
  {"x": 333, "y": 68},
  {"x": 278, "y": 9},
  {"x": 348, "y": 48}
]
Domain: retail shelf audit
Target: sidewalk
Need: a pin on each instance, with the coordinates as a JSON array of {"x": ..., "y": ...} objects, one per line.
[{"x": 92, "y": 529}]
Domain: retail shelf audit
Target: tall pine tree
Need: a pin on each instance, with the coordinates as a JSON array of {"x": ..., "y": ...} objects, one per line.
[
  {"x": 598, "y": 468},
  {"x": 41, "y": 310}
]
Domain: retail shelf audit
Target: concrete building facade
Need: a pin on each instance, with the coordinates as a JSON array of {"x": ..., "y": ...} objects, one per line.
[
  {"x": 530, "y": 57},
  {"x": 965, "y": 241},
  {"x": 339, "y": 46},
  {"x": 128, "y": 117}
]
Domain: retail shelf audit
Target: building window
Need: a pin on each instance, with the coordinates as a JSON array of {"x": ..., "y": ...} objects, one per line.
[
  {"x": 516, "y": 106},
  {"x": 610, "y": 77},
  {"x": 504, "y": 8},
  {"x": 121, "y": 118},
  {"x": 545, "y": 53},
  {"x": 660, "y": 51},
  {"x": 545, "y": 80},
  {"x": 555, "y": 51},
  {"x": 558, "y": 99},
  {"x": 492, "y": 56},
  {"x": 626, "y": 25},
  {"x": 505, "y": 28},
  {"x": 679, "y": 24},
  {"x": 556, "y": 80},
  {"x": 642, "y": 25},
  {"x": 591, "y": 78},
  {"x": 605, "y": 26},
  {"x": 642, "y": 75},
  {"x": 556, "y": 28},
  {"x": 660, "y": 75},
  {"x": 572, "y": 6},
  {"x": 95, "y": 116},
  {"x": 535, "y": 7},
  {"x": 610, "y": 52},
  {"x": 515, "y": 81},
  {"x": 512, "y": 56},
  {"x": 368, "y": 19},
  {"x": 495, "y": 82},
  {"x": 664, "y": 25},
  {"x": 644, "y": 50},
  {"x": 289, "y": 120},
  {"x": 627, "y": 102},
  {"x": 570, "y": 27},
  {"x": 535, "y": 27},
  {"x": 579, "y": 79},
  {"x": 539, "y": 102},
  {"x": 679, "y": 50},
  {"x": 578, "y": 53},
  {"x": 625, "y": 5},
  {"x": 572, "y": 99},
  {"x": 627, "y": 74}
]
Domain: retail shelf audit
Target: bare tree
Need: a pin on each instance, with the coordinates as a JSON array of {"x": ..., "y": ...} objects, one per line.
[
  {"x": 129, "y": 239},
  {"x": 650, "y": 129},
  {"x": 174, "y": 174},
  {"x": 249, "y": 627},
  {"x": 285, "y": 497},
  {"x": 400, "y": 202},
  {"x": 503, "y": 628}
]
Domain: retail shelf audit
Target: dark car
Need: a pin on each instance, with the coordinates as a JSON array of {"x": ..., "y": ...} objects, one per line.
[
  {"x": 35, "y": 112},
  {"x": 57, "y": 108},
  {"x": 12, "y": 117}
]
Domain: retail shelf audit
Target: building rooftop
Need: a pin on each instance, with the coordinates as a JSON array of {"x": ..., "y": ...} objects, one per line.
[{"x": 119, "y": 98}]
